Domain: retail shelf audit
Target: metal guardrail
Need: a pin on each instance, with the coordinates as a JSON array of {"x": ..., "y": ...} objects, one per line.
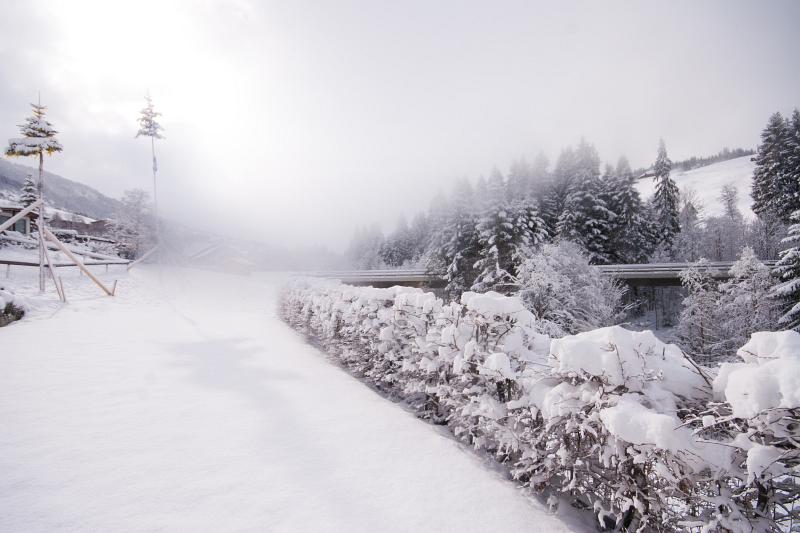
[
  {"x": 655, "y": 271},
  {"x": 717, "y": 269},
  {"x": 378, "y": 276}
]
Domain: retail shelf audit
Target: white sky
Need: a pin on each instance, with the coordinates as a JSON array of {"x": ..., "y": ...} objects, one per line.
[{"x": 298, "y": 121}]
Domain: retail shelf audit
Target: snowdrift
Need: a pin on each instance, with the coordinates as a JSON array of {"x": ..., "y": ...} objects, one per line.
[{"x": 613, "y": 420}]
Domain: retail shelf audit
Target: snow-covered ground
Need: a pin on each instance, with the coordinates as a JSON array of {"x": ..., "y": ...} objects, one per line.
[
  {"x": 185, "y": 404},
  {"x": 707, "y": 183}
]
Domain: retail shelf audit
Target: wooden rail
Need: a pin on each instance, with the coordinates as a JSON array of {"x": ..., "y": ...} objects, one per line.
[{"x": 32, "y": 264}]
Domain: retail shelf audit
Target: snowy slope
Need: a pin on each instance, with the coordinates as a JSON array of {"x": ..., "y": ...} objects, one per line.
[
  {"x": 62, "y": 193},
  {"x": 708, "y": 181},
  {"x": 189, "y": 406}
]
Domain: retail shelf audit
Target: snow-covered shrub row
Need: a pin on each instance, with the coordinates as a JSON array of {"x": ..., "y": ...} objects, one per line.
[
  {"x": 613, "y": 420},
  {"x": 11, "y": 307}
]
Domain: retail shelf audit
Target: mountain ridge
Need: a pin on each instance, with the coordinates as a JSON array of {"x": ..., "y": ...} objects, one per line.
[{"x": 61, "y": 193}]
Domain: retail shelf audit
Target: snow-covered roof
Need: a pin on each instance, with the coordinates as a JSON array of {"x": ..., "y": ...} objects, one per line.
[{"x": 8, "y": 204}]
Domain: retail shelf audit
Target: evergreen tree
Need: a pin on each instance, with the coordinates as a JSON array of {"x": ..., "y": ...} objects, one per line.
[
  {"x": 791, "y": 180},
  {"x": 629, "y": 240},
  {"x": 770, "y": 169},
  {"x": 557, "y": 189},
  {"x": 519, "y": 179},
  {"x": 30, "y": 191},
  {"x": 507, "y": 231},
  {"x": 38, "y": 136},
  {"x": 788, "y": 269},
  {"x": 585, "y": 219},
  {"x": 432, "y": 256},
  {"x": 420, "y": 235},
  {"x": 459, "y": 250},
  {"x": 398, "y": 247},
  {"x": 148, "y": 121},
  {"x": 665, "y": 199},
  {"x": 540, "y": 177}
]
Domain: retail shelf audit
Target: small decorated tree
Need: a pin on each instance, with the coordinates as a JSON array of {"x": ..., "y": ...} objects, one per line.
[
  {"x": 38, "y": 138},
  {"x": 149, "y": 127}
]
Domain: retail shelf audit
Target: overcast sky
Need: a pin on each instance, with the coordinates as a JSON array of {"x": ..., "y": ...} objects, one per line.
[{"x": 296, "y": 121}]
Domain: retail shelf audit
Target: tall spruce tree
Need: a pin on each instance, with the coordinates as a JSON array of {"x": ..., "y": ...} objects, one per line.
[
  {"x": 586, "y": 219},
  {"x": 665, "y": 199},
  {"x": 788, "y": 269},
  {"x": 519, "y": 179},
  {"x": 507, "y": 231},
  {"x": 459, "y": 250},
  {"x": 628, "y": 236},
  {"x": 540, "y": 177},
  {"x": 791, "y": 181},
  {"x": 770, "y": 170},
  {"x": 557, "y": 189}
]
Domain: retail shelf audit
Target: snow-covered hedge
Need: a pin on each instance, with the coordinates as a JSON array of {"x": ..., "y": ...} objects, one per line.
[
  {"x": 615, "y": 420},
  {"x": 11, "y": 307}
]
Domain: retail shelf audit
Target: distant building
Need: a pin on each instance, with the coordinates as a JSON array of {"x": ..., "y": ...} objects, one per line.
[{"x": 23, "y": 225}]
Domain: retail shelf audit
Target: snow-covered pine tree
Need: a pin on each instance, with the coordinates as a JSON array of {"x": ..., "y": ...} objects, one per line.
[
  {"x": 557, "y": 189},
  {"x": 788, "y": 270},
  {"x": 586, "y": 219},
  {"x": 398, "y": 247},
  {"x": 30, "y": 191},
  {"x": 507, "y": 232},
  {"x": 791, "y": 181},
  {"x": 38, "y": 136},
  {"x": 148, "y": 121},
  {"x": 459, "y": 250},
  {"x": 432, "y": 256},
  {"x": 519, "y": 179},
  {"x": 628, "y": 241},
  {"x": 745, "y": 303},
  {"x": 540, "y": 177},
  {"x": 771, "y": 165},
  {"x": 665, "y": 199},
  {"x": 419, "y": 235},
  {"x": 495, "y": 237}
]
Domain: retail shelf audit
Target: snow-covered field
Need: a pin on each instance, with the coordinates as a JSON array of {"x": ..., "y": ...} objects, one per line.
[
  {"x": 185, "y": 404},
  {"x": 707, "y": 183}
]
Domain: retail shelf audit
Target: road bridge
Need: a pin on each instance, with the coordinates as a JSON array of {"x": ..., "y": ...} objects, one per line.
[{"x": 645, "y": 275}]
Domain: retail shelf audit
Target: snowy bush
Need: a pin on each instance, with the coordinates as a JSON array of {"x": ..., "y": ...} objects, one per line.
[
  {"x": 611, "y": 420},
  {"x": 11, "y": 307},
  {"x": 717, "y": 318},
  {"x": 566, "y": 294}
]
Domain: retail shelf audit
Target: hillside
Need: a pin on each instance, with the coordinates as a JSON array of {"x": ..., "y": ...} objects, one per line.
[
  {"x": 708, "y": 181},
  {"x": 62, "y": 193}
]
